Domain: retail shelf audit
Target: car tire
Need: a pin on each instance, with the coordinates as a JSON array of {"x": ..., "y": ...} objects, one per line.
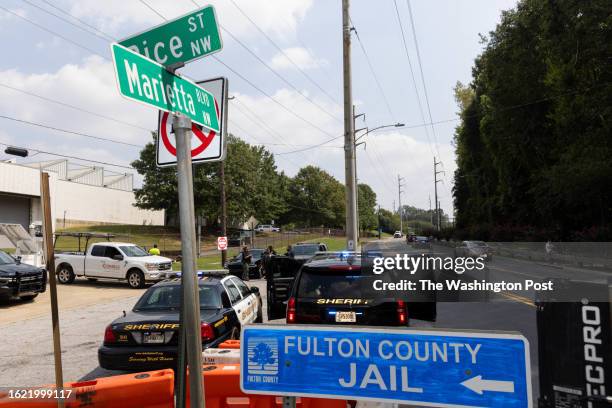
[
  {"x": 135, "y": 279},
  {"x": 65, "y": 275},
  {"x": 28, "y": 298}
]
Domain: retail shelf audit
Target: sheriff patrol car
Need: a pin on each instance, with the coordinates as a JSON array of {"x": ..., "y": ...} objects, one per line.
[{"x": 146, "y": 338}]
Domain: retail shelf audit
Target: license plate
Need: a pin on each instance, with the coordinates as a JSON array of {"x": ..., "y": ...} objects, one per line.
[
  {"x": 346, "y": 317},
  {"x": 153, "y": 338}
]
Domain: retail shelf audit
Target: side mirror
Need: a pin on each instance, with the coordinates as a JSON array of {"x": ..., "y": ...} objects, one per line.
[
  {"x": 18, "y": 259},
  {"x": 254, "y": 289},
  {"x": 118, "y": 257}
]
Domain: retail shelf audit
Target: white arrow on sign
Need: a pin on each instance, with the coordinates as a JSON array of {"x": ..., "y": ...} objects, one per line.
[{"x": 478, "y": 385}]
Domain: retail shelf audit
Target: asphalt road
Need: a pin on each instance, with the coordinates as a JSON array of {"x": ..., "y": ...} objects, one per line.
[{"x": 26, "y": 357}]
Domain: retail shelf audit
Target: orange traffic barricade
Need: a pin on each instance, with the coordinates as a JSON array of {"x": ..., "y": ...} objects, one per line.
[
  {"x": 222, "y": 390},
  {"x": 230, "y": 344},
  {"x": 153, "y": 389}
]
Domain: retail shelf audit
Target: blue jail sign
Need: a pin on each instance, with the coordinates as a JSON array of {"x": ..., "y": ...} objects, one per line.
[{"x": 424, "y": 367}]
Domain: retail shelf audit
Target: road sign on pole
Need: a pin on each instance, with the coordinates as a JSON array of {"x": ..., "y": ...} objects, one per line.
[
  {"x": 424, "y": 368},
  {"x": 184, "y": 39},
  {"x": 221, "y": 243},
  {"x": 206, "y": 145},
  {"x": 148, "y": 82}
]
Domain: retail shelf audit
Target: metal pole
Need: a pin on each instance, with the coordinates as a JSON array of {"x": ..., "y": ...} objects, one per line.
[
  {"x": 401, "y": 212},
  {"x": 191, "y": 296},
  {"x": 349, "y": 134},
  {"x": 436, "y": 193},
  {"x": 50, "y": 264},
  {"x": 356, "y": 179},
  {"x": 223, "y": 209}
]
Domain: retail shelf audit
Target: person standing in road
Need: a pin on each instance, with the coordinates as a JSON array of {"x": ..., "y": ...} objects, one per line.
[
  {"x": 154, "y": 250},
  {"x": 289, "y": 251},
  {"x": 267, "y": 255},
  {"x": 246, "y": 262}
]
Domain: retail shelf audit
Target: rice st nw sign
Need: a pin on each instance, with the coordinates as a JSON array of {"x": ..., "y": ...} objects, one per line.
[{"x": 184, "y": 39}]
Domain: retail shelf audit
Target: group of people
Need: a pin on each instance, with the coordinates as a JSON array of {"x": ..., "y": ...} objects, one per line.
[{"x": 247, "y": 259}]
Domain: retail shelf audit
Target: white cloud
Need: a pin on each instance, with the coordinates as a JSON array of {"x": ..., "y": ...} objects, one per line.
[
  {"x": 298, "y": 56},
  {"x": 279, "y": 17}
]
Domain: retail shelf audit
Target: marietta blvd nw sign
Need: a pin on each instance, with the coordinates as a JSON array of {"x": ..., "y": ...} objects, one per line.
[
  {"x": 181, "y": 40},
  {"x": 148, "y": 82},
  {"x": 416, "y": 367}
]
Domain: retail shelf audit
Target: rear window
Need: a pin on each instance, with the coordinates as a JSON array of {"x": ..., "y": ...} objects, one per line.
[
  {"x": 305, "y": 249},
  {"x": 329, "y": 283},
  {"x": 168, "y": 297}
]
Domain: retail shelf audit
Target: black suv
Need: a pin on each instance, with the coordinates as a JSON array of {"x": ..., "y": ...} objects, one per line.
[{"x": 19, "y": 280}]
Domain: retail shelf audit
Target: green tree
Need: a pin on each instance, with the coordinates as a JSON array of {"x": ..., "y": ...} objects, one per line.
[
  {"x": 368, "y": 219},
  {"x": 316, "y": 198}
]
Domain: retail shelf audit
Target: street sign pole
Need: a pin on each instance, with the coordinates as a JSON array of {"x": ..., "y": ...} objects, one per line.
[{"x": 191, "y": 296}]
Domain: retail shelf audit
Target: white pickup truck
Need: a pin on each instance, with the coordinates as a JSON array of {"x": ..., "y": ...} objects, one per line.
[{"x": 113, "y": 260}]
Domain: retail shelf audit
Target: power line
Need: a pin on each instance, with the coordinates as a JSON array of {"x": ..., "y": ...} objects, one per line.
[
  {"x": 152, "y": 9},
  {"x": 283, "y": 52},
  {"x": 63, "y": 19},
  {"x": 380, "y": 88},
  {"x": 70, "y": 157},
  {"x": 72, "y": 106},
  {"x": 275, "y": 72},
  {"x": 416, "y": 43},
  {"x": 416, "y": 90},
  {"x": 251, "y": 83},
  {"x": 54, "y": 33},
  {"x": 68, "y": 131},
  {"x": 85, "y": 23}
]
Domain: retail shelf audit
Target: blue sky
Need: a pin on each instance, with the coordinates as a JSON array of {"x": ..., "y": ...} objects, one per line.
[{"x": 309, "y": 31}]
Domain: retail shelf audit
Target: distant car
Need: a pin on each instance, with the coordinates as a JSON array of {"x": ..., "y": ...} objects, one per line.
[
  {"x": 410, "y": 238},
  {"x": 397, "y": 234},
  {"x": 146, "y": 338},
  {"x": 421, "y": 242},
  {"x": 266, "y": 228},
  {"x": 474, "y": 249},
  {"x": 19, "y": 280},
  {"x": 255, "y": 267},
  {"x": 306, "y": 250}
]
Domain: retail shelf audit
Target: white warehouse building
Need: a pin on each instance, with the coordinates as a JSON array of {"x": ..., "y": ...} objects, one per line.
[{"x": 80, "y": 195}]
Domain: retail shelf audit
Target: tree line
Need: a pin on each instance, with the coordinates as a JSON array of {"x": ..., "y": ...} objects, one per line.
[
  {"x": 534, "y": 144},
  {"x": 254, "y": 187}
]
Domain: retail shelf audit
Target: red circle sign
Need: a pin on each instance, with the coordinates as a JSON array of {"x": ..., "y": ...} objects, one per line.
[
  {"x": 205, "y": 139},
  {"x": 221, "y": 243}
]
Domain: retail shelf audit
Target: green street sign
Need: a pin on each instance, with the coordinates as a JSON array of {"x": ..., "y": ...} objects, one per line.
[
  {"x": 148, "y": 82},
  {"x": 183, "y": 39}
]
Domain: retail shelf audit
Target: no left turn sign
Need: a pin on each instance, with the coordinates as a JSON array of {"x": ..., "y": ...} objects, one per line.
[{"x": 206, "y": 145}]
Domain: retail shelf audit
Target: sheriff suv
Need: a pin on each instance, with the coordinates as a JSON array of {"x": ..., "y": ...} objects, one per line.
[
  {"x": 18, "y": 280},
  {"x": 334, "y": 289},
  {"x": 146, "y": 338}
]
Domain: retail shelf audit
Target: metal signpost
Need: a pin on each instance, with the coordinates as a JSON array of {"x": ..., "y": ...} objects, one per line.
[
  {"x": 421, "y": 367},
  {"x": 206, "y": 145},
  {"x": 145, "y": 67},
  {"x": 184, "y": 39},
  {"x": 148, "y": 82}
]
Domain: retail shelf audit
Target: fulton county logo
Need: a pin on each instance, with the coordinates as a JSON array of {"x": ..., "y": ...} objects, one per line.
[{"x": 263, "y": 356}]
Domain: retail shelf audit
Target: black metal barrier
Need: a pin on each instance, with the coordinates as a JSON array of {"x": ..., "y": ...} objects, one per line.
[{"x": 575, "y": 352}]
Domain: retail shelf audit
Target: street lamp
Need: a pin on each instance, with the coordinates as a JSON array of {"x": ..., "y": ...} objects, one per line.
[
  {"x": 16, "y": 151},
  {"x": 355, "y": 144}
]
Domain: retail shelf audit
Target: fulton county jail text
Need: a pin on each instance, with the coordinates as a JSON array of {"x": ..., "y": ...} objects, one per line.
[{"x": 403, "y": 350}]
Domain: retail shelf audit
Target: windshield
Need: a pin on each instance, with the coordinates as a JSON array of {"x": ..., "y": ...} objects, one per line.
[
  {"x": 335, "y": 284},
  {"x": 168, "y": 297},
  {"x": 305, "y": 249},
  {"x": 133, "y": 251},
  {"x": 6, "y": 258}
]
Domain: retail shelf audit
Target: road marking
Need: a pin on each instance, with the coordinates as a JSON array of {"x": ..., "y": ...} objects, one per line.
[{"x": 518, "y": 298}]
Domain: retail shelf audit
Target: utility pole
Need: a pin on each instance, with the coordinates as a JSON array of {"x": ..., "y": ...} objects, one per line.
[
  {"x": 349, "y": 134},
  {"x": 436, "y": 181},
  {"x": 430, "y": 213},
  {"x": 223, "y": 210},
  {"x": 399, "y": 193}
]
